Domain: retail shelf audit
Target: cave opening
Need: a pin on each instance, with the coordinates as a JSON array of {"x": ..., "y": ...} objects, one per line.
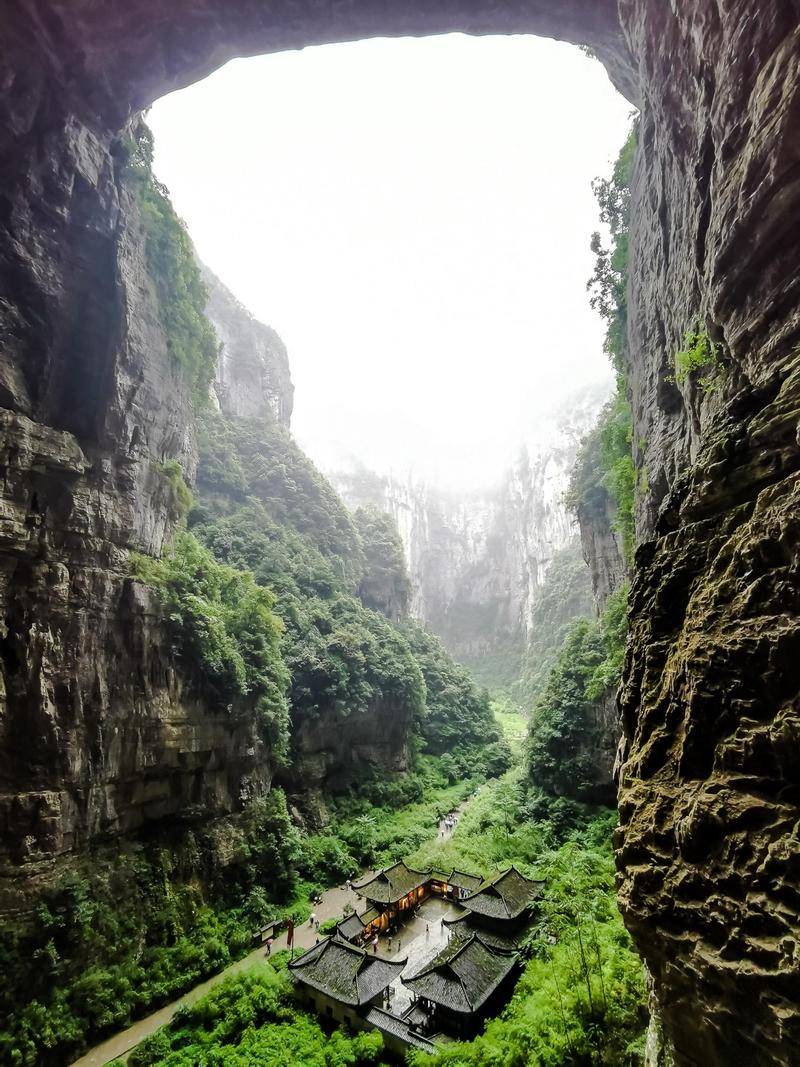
[
  {"x": 707, "y": 841},
  {"x": 413, "y": 217}
]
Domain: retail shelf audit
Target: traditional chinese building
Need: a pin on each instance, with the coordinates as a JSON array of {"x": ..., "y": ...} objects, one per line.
[
  {"x": 346, "y": 984},
  {"x": 464, "y": 984},
  {"x": 503, "y": 904},
  {"x": 339, "y": 980},
  {"x": 393, "y": 891},
  {"x": 455, "y": 992}
]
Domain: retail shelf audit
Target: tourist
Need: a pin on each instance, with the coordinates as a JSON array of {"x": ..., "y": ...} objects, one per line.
[
  {"x": 269, "y": 946},
  {"x": 312, "y": 920},
  {"x": 375, "y": 944}
]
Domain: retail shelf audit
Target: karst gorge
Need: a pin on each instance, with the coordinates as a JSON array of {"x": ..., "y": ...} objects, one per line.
[{"x": 232, "y": 684}]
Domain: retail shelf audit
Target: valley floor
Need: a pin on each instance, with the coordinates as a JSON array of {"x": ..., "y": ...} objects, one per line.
[{"x": 335, "y": 902}]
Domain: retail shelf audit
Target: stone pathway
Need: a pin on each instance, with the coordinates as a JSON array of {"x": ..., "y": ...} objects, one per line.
[
  {"x": 118, "y": 1046},
  {"x": 420, "y": 940},
  {"x": 413, "y": 942}
]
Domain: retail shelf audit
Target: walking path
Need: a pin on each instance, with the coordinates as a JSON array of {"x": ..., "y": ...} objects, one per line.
[{"x": 332, "y": 906}]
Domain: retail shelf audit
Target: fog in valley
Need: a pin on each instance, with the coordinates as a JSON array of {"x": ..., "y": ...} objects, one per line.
[{"x": 413, "y": 217}]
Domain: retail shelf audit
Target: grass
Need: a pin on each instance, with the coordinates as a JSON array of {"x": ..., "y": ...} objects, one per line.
[{"x": 511, "y": 721}]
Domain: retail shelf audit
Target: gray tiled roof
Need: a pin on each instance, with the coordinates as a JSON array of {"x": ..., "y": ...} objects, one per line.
[
  {"x": 349, "y": 974},
  {"x": 464, "y": 880},
  {"x": 354, "y": 924},
  {"x": 392, "y": 883},
  {"x": 350, "y": 927},
  {"x": 464, "y": 974},
  {"x": 461, "y": 879},
  {"x": 391, "y": 1024},
  {"x": 505, "y": 896},
  {"x": 464, "y": 926}
]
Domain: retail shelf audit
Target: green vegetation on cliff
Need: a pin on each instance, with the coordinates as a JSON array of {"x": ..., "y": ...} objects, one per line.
[
  {"x": 385, "y": 586},
  {"x": 565, "y": 596},
  {"x": 135, "y": 925},
  {"x": 565, "y": 735},
  {"x": 570, "y": 742},
  {"x": 181, "y": 293},
  {"x": 258, "y": 458},
  {"x": 610, "y": 444},
  {"x": 263, "y": 507},
  {"x": 458, "y": 723},
  {"x": 224, "y": 627}
]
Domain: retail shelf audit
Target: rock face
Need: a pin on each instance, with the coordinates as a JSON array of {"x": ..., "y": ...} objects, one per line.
[
  {"x": 252, "y": 379},
  {"x": 601, "y": 542},
  {"x": 330, "y": 753},
  {"x": 709, "y": 790},
  {"x": 477, "y": 561},
  {"x": 98, "y": 731}
]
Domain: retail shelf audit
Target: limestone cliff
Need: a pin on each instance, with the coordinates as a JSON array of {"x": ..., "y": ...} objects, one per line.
[
  {"x": 99, "y": 730},
  {"x": 253, "y": 377},
  {"x": 477, "y": 561}
]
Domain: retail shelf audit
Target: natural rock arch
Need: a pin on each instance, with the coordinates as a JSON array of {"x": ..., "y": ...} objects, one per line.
[
  {"x": 117, "y": 56},
  {"x": 709, "y": 785}
]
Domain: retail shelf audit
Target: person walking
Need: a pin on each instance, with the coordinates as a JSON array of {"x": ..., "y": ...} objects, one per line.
[
  {"x": 375, "y": 944},
  {"x": 269, "y": 947},
  {"x": 312, "y": 919}
]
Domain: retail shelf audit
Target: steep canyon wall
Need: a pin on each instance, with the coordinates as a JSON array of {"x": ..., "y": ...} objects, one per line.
[
  {"x": 709, "y": 790},
  {"x": 478, "y": 560}
]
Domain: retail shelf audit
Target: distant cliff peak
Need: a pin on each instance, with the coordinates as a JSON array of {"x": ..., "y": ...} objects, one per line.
[{"x": 253, "y": 377}]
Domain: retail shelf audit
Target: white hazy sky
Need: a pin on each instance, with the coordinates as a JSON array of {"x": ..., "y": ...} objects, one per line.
[{"x": 413, "y": 217}]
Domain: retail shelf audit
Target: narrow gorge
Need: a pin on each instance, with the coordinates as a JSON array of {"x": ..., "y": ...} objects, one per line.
[{"x": 217, "y": 696}]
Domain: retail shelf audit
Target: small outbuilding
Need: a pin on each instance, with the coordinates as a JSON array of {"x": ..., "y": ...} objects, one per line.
[
  {"x": 360, "y": 926},
  {"x": 456, "y": 885}
]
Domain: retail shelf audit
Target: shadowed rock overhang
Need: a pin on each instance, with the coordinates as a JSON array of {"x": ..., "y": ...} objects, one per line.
[{"x": 114, "y": 58}]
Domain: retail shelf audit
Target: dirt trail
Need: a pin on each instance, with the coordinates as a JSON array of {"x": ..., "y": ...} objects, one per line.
[{"x": 332, "y": 906}]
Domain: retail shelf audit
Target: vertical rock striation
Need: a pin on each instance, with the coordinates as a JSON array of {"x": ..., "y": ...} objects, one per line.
[
  {"x": 478, "y": 560},
  {"x": 253, "y": 378},
  {"x": 99, "y": 730},
  {"x": 709, "y": 789}
]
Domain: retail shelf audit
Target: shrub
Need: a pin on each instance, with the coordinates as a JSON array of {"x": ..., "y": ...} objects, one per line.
[
  {"x": 224, "y": 627},
  {"x": 699, "y": 353}
]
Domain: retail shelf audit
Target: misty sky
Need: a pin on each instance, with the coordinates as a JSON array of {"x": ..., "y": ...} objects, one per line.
[{"x": 413, "y": 217}]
